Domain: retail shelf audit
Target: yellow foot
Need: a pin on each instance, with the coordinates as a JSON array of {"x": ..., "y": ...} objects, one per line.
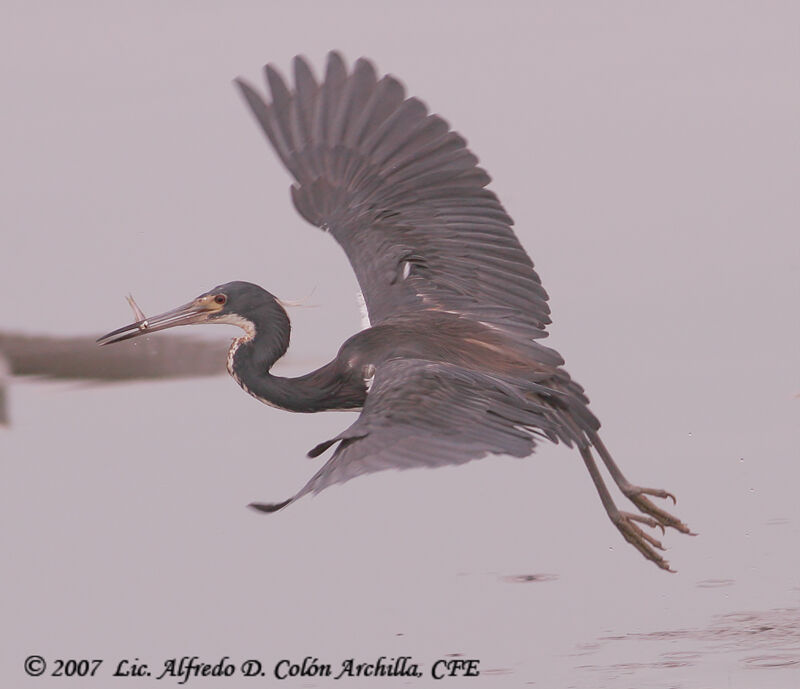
[{"x": 638, "y": 496}]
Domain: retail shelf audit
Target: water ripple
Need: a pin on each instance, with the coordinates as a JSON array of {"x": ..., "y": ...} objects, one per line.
[{"x": 760, "y": 640}]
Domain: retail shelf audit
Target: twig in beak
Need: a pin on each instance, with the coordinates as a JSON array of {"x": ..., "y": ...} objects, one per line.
[{"x": 137, "y": 312}]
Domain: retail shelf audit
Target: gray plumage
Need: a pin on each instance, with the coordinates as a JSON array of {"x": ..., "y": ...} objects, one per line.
[
  {"x": 420, "y": 413},
  {"x": 403, "y": 195},
  {"x": 395, "y": 186},
  {"x": 452, "y": 367}
]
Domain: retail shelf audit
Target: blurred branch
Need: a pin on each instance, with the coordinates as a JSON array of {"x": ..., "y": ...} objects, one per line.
[{"x": 79, "y": 358}]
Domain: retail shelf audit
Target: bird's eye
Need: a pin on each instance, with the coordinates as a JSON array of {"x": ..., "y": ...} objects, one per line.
[{"x": 220, "y": 299}]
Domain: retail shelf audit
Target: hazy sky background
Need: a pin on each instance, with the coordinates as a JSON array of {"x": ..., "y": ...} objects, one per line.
[{"x": 650, "y": 156}]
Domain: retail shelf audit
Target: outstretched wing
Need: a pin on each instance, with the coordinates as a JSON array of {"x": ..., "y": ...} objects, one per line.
[
  {"x": 428, "y": 414},
  {"x": 403, "y": 196}
]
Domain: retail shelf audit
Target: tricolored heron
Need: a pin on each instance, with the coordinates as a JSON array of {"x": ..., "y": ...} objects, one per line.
[{"x": 451, "y": 367}]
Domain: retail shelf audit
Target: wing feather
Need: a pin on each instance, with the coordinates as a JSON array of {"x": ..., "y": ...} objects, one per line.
[
  {"x": 403, "y": 196},
  {"x": 428, "y": 414}
]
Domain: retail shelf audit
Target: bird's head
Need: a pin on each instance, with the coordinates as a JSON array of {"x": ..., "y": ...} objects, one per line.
[{"x": 235, "y": 303}]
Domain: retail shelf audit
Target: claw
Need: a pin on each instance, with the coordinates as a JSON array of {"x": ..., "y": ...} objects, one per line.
[
  {"x": 631, "y": 491},
  {"x": 649, "y": 521},
  {"x": 626, "y": 523},
  {"x": 661, "y": 516},
  {"x": 637, "y": 496},
  {"x": 658, "y": 493}
]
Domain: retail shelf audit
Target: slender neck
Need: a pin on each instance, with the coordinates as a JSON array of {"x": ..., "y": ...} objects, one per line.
[{"x": 251, "y": 357}]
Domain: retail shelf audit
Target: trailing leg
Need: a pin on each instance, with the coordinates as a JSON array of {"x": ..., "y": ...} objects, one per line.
[
  {"x": 636, "y": 494},
  {"x": 625, "y": 521}
]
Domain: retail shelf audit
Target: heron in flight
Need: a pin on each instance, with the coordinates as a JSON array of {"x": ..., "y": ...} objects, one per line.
[{"x": 451, "y": 367}]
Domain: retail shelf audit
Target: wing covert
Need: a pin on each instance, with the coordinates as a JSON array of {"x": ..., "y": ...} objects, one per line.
[{"x": 426, "y": 414}]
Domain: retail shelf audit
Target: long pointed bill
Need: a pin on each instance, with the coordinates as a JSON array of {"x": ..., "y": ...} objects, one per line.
[{"x": 197, "y": 311}]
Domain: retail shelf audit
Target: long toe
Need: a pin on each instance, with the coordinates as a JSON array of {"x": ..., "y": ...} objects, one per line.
[
  {"x": 638, "y": 496},
  {"x": 630, "y": 490},
  {"x": 649, "y": 521},
  {"x": 661, "y": 516},
  {"x": 643, "y": 542}
]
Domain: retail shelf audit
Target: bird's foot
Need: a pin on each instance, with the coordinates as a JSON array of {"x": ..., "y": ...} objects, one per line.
[
  {"x": 639, "y": 539},
  {"x": 638, "y": 496}
]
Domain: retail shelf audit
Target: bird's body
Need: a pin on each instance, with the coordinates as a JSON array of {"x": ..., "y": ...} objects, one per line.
[
  {"x": 343, "y": 383},
  {"x": 452, "y": 367}
]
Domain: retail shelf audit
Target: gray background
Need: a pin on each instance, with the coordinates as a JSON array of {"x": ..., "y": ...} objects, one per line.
[{"x": 649, "y": 155}]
